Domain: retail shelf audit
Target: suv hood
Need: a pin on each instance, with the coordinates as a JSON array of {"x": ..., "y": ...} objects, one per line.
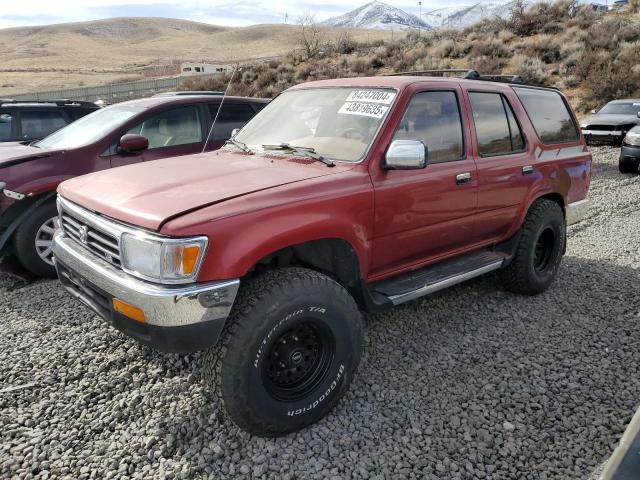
[
  {"x": 610, "y": 119},
  {"x": 149, "y": 194},
  {"x": 12, "y": 153}
]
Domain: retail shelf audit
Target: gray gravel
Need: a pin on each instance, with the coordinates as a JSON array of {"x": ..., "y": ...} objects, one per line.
[{"x": 474, "y": 382}]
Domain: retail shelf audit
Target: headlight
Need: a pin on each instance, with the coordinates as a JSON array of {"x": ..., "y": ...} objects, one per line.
[
  {"x": 632, "y": 138},
  {"x": 162, "y": 260}
]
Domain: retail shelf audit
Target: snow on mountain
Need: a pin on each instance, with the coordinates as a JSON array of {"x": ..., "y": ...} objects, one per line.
[
  {"x": 463, "y": 16},
  {"x": 377, "y": 15}
]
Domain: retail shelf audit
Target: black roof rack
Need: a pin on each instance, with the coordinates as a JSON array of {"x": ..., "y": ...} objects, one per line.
[
  {"x": 58, "y": 102},
  {"x": 181, "y": 93},
  {"x": 471, "y": 75}
]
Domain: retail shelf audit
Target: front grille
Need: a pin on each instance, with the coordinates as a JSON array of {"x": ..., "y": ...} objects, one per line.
[
  {"x": 102, "y": 244},
  {"x": 605, "y": 128}
]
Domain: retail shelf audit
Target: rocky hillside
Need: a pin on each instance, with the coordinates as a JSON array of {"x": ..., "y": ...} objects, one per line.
[{"x": 593, "y": 57}]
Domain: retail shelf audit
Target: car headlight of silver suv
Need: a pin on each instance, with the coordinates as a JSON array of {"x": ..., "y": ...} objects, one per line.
[{"x": 163, "y": 260}]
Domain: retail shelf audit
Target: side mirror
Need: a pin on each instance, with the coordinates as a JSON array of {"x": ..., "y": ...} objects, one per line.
[
  {"x": 234, "y": 132},
  {"x": 594, "y": 111},
  {"x": 405, "y": 155},
  {"x": 638, "y": 115},
  {"x": 133, "y": 143}
]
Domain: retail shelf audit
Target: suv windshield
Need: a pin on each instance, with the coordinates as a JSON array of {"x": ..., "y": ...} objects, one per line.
[
  {"x": 91, "y": 128},
  {"x": 337, "y": 123},
  {"x": 630, "y": 108}
]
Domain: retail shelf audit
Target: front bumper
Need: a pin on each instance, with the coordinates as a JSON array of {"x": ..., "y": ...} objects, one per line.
[
  {"x": 604, "y": 136},
  {"x": 176, "y": 319},
  {"x": 575, "y": 212}
]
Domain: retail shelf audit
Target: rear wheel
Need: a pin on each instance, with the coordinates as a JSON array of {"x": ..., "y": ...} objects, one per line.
[
  {"x": 540, "y": 249},
  {"x": 288, "y": 351},
  {"x": 33, "y": 241},
  {"x": 628, "y": 165}
]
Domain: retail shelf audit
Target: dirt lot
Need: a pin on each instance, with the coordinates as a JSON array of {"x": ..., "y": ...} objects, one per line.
[{"x": 474, "y": 382}]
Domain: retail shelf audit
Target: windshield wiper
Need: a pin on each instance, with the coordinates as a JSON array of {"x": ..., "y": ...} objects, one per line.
[
  {"x": 302, "y": 151},
  {"x": 242, "y": 146}
]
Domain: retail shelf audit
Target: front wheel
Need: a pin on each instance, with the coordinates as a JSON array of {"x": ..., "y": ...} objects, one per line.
[
  {"x": 288, "y": 352},
  {"x": 33, "y": 241},
  {"x": 540, "y": 249}
]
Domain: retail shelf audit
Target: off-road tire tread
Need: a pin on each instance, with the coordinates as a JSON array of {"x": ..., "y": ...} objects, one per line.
[
  {"x": 515, "y": 276},
  {"x": 267, "y": 285},
  {"x": 24, "y": 248}
]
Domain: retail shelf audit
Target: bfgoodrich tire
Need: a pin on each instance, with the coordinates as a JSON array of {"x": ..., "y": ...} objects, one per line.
[
  {"x": 628, "y": 165},
  {"x": 287, "y": 353},
  {"x": 33, "y": 240},
  {"x": 540, "y": 249}
]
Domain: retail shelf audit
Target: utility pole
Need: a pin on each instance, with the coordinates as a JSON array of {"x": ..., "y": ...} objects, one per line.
[{"x": 420, "y": 20}]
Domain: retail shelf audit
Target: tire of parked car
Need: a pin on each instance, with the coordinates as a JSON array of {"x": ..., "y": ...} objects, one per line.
[
  {"x": 539, "y": 251},
  {"x": 33, "y": 240},
  {"x": 288, "y": 352},
  {"x": 628, "y": 165}
]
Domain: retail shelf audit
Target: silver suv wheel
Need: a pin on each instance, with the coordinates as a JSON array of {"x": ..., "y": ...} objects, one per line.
[{"x": 44, "y": 240}]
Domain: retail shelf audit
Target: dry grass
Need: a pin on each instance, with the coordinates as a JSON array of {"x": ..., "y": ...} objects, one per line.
[{"x": 99, "y": 52}]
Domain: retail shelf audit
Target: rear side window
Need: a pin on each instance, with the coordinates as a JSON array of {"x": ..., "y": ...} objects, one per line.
[
  {"x": 38, "y": 124},
  {"x": 6, "y": 120},
  {"x": 549, "y": 115},
  {"x": 231, "y": 116},
  {"x": 179, "y": 126},
  {"x": 434, "y": 119},
  {"x": 76, "y": 113},
  {"x": 497, "y": 131}
]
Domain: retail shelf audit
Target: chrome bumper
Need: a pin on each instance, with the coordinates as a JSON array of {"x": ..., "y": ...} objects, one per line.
[
  {"x": 84, "y": 274},
  {"x": 603, "y": 133},
  {"x": 575, "y": 212}
]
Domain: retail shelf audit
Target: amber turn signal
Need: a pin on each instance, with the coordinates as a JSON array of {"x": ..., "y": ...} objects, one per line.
[{"x": 127, "y": 310}]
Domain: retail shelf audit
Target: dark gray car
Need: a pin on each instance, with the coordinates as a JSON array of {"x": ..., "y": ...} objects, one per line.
[{"x": 612, "y": 122}]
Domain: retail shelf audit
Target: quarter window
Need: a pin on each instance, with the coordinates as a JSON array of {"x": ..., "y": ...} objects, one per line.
[
  {"x": 434, "y": 119},
  {"x": 231, "y": 116},
  {"x": 497, "y": 131},
  {"x": 549, "y": 115},
  {"x": 180, "y": 126}
]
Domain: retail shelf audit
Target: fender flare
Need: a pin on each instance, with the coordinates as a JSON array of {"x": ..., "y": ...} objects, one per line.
[{"x": 13, "y": 226}]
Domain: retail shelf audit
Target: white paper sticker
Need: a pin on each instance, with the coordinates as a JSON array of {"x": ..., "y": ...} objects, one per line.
[
  {"x": 363, "y": 109},
  {"x": 372, "y": 96}
]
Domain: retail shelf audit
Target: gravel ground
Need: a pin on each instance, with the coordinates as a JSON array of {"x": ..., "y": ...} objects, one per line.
[{"x": 474, "y": 382}]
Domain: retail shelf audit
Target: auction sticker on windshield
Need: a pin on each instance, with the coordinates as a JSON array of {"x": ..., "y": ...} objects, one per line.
[
  {"x": 371, "y": 96},
  {"x": 364, "y": 109}
]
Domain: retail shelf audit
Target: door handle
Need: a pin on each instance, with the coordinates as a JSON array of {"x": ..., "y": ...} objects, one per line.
[
  {"x": 463, "y": 178},
  {"x": 527, "y": 170}
]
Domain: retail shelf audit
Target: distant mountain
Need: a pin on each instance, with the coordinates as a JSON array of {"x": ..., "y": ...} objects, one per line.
[
  {"x": 463, "y": 16},
  {"x": 377, "y": 15}
]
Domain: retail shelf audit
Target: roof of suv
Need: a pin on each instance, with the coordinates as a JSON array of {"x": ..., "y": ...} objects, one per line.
[
  {"x": 402, "y": 81},
  {"x": 7, "y": 102},
  {"x": 188, "y": 99}
]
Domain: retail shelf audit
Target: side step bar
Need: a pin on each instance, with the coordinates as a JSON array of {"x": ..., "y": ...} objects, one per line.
[{"x": 436, "y": 277}]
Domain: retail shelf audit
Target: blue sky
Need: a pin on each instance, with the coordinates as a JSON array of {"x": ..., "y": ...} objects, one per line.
[{"x": 224, "y": 12}]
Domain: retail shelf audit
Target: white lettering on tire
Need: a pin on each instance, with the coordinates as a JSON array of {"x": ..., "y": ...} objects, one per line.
[{"x": 322, "y": 398}]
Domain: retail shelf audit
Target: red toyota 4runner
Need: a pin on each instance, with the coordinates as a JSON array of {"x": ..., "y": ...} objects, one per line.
[{"x": 341, "y": 196}]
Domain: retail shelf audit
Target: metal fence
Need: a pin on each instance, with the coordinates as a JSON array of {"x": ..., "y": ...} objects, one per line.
[{"x": 114, "y": 93}]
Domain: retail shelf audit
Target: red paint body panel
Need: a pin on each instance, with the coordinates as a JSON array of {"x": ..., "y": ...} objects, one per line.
[
  {"x": 396, "y": 221},
  {"x": 31, "y": 170}
]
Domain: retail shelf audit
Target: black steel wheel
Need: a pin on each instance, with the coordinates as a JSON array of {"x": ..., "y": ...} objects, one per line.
[
  {"x": 298, "y": 360},
  {"x": 540, "y": 248},
  {"x": 287, "y": 353}
]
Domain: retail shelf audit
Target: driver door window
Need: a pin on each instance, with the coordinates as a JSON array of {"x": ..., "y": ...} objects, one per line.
[
  {"x": 179, "y": 126},
  {"x": 434, "y": 119}
]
